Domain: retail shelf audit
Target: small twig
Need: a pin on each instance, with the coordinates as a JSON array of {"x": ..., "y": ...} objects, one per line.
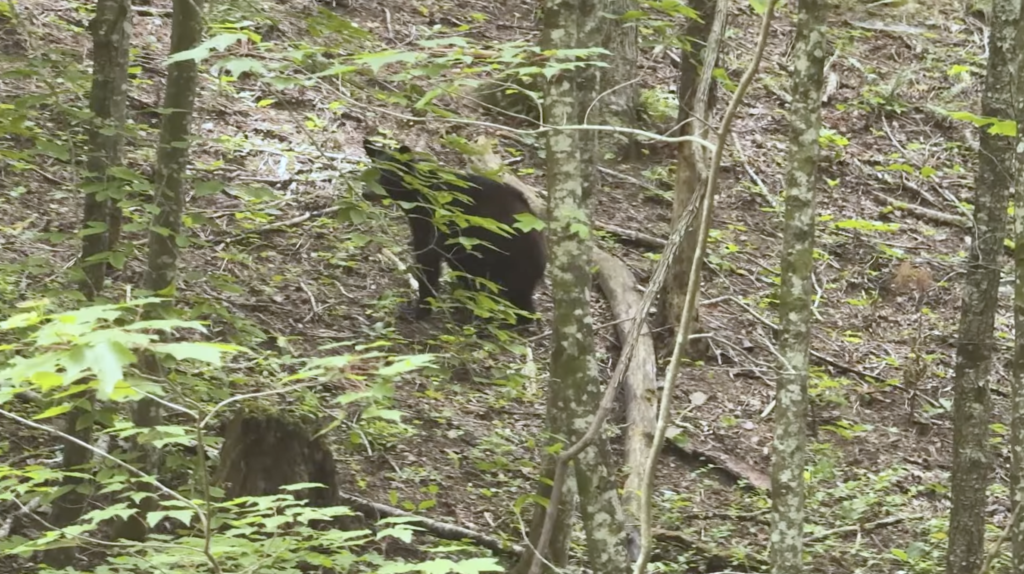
[
  {"x": 987, "y": 567},
  {"x": 312, "y": 301},
  {"x": 533, "y": 132},
  {"x": 750, "y": 171},
  {"x": 923, "y": 211},
  {"x": 630, "y": 179},
  {"x": 864, "y": 527},
  {"x": 278, "y": 225}
]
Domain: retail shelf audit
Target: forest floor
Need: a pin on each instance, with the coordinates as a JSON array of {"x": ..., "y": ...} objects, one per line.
[{"x": 881, "y": 431}]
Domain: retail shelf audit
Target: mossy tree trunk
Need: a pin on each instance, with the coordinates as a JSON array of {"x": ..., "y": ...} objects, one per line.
[
  {"x": 971, "y": 401},
  {"x": 111, "y": 36},
  {"x": 587, "y": 83},
  {"x": 574, "y": 390},
  {"x": 1017, "y": 385},
  {"x": 600, "y": 506},
  {"x": 619, "y": 105},
  {"x": 693, "y": 119},
  {"x": 795, "y": 290},
  {"x": 169, "y": 199},
  {"x": 567, "y": 268}
]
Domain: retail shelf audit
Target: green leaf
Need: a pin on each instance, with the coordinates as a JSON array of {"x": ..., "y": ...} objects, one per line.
[
  {"x": 759, "y": 6},
  {"x": 206, "y": 352},
  {"x": 580, "y": 229},
  {"x": 1004, "y": 128},
  {"x": 202, "y": 51},
  {"x": 166, "y": 325},
  {"x": 107, "y": 360},
  {"x": 238, "y": 66},
  {"x": 117, "y": 260},
  {"x": 205, "y": 188},
  {"x": 53, "y": 149},
  {"x": 428, "y": 97},
  {"x": 54, "y": 411},
  {"x": 528, "y": 222},
  {"x": 21, "y": 320},
  {"x": 386, "y": 414},
  {"x": 121, "y": 172},
  {"x": 403, "y": 533},
  {"x": 183, "y": 516},
  {"x": 380, "y": 59},
  {"x": 339, "y": 70},
  {"x": 406, "y": 364}
]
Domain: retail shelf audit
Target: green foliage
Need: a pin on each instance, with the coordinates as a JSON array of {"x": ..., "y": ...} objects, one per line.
[
  {"x": 64, "y": 355},
  {"x": 661, "y": 106}
]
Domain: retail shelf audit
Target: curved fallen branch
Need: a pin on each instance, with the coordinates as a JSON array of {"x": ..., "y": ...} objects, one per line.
[{"x": 620, "y": 289}]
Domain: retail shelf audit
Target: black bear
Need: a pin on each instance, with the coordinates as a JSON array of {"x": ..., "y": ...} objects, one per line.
[{"x": 513, "y": 260}]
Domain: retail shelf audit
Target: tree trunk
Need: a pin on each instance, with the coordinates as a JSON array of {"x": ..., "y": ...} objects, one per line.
[
  {"x": 619, "y": 102},
  {"x": 169, "y": 198},
  {"x": 588, "y": 80},
  {"x": 111, "y": 34},
  {"x": 567, "y": 255},
  {"x": 696, "y": 104},
  {"x": 573, "y": 389},
  {"x": 795, "y": 290},
  {"x": 1017, "y": 384},
  {"x": 971, "y": 402},
  {"x": 600, "y": 506}
]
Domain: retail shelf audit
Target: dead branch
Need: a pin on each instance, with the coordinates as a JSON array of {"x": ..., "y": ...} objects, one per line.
[
  {"x": 864, "y": 527},
  {"x": 622, "y": 293},
  {"x": 375, "y": 511},
  {"x": 279, "y": 224},
  {"x": 634, "y": 236},
  {"x": 734, "y": 467},
  {"x": 923, "y": 212}
]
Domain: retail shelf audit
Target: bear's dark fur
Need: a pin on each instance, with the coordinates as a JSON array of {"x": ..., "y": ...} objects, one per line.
[{"x": 515, "y": 262}]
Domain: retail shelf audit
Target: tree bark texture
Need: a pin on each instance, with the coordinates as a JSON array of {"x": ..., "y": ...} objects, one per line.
[
  {"x": 172, "y": 155},
  {"x": 573, "y": 389},
  {"x": 600, "y": 506},
  {"x": 111, "y": 35},
  {"x": 692, "y": 160},
  {"x": 1017, "y": 384},
  {"x": 70, "y": 506},
  {"x": 619, "y": 103},
  {"x": 795, "y": 290},
  {"x": 568, "y": 259},
  {"x": 558, "y": 546},
  {"x": 589, "y": 34},
  {"x": 169, "y": 201},
  {"x": 972, "y": 403}
]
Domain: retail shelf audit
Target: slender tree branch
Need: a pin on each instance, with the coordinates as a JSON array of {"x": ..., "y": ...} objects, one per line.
[{"x": 692, "y": 292}]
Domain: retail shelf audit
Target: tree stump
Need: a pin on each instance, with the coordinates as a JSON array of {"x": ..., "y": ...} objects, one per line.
[{"x": 264, "y": 451}]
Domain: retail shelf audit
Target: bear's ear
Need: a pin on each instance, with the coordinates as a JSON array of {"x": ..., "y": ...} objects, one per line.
[{"x": 404, "y": 150}]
